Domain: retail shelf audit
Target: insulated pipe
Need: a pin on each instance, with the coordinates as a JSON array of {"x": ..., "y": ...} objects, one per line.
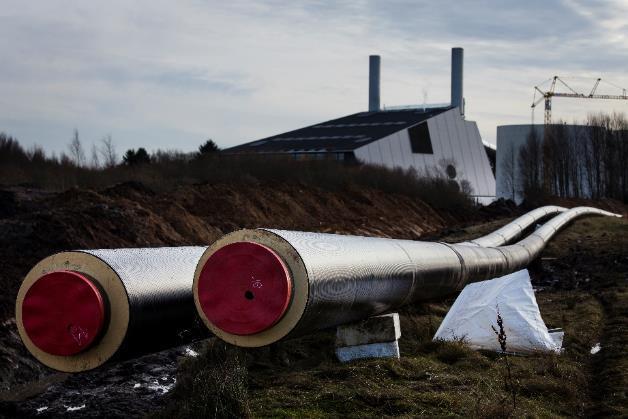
[
  {"x": 255, "y": 287},
  {"x": 76, "y": 310},
  {"x": 515, "y": 228}
]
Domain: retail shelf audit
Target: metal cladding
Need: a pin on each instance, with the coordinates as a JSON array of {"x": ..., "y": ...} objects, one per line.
[
  {"x": 457, "y": 69},
  {"x": 339, "y": 279},
  {"x": 374, "y": 82},
  {"x": 76, "y": 310},
  {"x": 515, "y": 228}
]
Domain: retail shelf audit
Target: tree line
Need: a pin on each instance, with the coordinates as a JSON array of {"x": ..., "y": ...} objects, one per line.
[
  {"x": 75, "y": 166},
  {"x": 588, "y": 160},
  {"x": 167, "y": 170},
  {"x": 103, "y": 154}
]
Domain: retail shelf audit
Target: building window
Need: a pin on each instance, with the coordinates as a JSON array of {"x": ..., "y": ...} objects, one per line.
[{"x": 420, "y": 141}]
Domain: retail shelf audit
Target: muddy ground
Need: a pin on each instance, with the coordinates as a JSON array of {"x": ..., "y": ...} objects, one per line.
[
  {"x": 581, "y": 282},
  {"x": 581, "y": 279},
  {"x": 35, "y": 224}
]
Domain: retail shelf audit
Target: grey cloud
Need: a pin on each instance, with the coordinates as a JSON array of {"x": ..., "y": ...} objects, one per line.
[{"x": 278, "y": 63}]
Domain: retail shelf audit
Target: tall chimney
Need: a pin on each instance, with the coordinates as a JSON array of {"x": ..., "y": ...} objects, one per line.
[
  {"x": 457, "y": 64},
  {"x": 374, "y": 66}
]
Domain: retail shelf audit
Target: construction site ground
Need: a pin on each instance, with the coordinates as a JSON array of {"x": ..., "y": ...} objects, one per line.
[{"x": 581, "y": 282}]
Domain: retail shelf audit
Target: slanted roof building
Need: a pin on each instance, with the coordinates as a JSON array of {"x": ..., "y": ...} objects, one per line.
[
  {"x": 340, "y": 135},
  {"x": 431, "y": 140}
]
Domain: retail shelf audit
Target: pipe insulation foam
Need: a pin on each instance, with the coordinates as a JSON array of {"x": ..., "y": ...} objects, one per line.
[{"x": 76, "y": 310}]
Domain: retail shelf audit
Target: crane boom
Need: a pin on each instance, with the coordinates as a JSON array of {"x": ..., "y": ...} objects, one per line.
[{"x": 551, "y": 93}]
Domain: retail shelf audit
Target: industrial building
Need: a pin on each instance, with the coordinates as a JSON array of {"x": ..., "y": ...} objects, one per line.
[{"x": 431, "y": 139}]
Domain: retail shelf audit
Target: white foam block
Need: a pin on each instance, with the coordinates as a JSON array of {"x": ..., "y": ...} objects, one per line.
[
  {"x": 376, "y": 329},
  {"x": 371, "y": 350}
]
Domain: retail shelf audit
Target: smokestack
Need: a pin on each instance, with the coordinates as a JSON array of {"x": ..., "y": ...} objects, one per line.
[
  {"x": 374, "y": 66},
  {"x": 457, "y": 64}
]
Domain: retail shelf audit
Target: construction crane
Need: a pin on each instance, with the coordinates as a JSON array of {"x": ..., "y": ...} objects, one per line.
[{"x": 548, "y": 95}]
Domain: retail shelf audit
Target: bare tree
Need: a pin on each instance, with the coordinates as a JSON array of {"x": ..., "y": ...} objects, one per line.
[
  {"x": 598, "y": 150},
  {"x": 508, "y": 171},
  {"x": 95, "y": 161},
  {"x": 622, "y": 138},
  {"x": 108, "y": 152},
  {"x": 531, "y": 165},
  {"x": 557, "y": 159},
  {"x": 579, "y": 161},
  {"x": 77, "y": 155}
]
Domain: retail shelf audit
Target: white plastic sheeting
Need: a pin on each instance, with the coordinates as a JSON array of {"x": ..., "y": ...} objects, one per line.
[{"x": 474, "y": 314}]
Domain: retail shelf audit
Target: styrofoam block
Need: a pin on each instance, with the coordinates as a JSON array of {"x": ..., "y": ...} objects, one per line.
[
  {"x": 377, "y": 329},
  {"x": 372, "y": 350}
]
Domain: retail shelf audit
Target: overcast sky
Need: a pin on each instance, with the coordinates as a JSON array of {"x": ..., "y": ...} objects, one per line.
[{"x": 164, "y": 74}]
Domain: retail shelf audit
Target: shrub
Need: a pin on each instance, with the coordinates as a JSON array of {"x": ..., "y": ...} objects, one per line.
[
  {"x": 211, "y": 386},
  {"x": 169, "y": 169}
]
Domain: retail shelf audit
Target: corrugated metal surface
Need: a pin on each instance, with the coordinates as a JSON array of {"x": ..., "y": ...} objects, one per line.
[
  {"x": 349, "y": 278},
  {"x": 515, "y": 228},
  {"x": 454, "y": 141}
]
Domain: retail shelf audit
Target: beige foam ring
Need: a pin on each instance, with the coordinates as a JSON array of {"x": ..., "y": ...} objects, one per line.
[
  {"x": 298, "y": 277},
  {"x": 115, "y": 293}
]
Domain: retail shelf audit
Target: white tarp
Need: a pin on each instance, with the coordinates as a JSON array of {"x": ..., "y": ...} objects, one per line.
[{"x": 475, "y": 311}]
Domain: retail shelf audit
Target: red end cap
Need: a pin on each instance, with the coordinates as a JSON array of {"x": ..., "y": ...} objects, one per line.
[
  {"x": 244, "y": 288},
  {"x": 63, "y": 313}
]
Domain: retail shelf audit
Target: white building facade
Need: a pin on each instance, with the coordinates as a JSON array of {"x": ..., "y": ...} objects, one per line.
[{"x": 457, "y": 152}]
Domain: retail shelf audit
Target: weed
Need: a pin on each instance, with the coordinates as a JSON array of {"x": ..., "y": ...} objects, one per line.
[
  {"x": 509, "y": 382},
  {"x": 212, "y": 386}
]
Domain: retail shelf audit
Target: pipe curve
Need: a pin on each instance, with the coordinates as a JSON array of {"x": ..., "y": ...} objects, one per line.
[{"x": 340, "y": 279}]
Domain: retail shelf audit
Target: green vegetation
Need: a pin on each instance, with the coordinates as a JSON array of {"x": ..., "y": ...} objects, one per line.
[
  {"x": 135, "y": 158},
  {"x": 215, "y": 385}
]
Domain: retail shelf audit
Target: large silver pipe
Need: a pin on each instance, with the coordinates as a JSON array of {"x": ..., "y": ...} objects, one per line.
[
  {"x": 77, "y": 310},
  {"x": 255, "y": 287},
  {"x": 515, "y": 228}
]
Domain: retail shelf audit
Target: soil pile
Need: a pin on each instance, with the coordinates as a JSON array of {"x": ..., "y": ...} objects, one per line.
[{"x": 34, "y": 224}]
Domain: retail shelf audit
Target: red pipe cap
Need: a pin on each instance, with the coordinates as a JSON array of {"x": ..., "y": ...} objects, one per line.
[
  {"x": 244, "y": 288},
  {"x": 63, "y": 313}
]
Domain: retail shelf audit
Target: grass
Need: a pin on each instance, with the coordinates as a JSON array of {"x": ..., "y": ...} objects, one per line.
[
  {"x": 215, "y": 386},
  {"x": 301, "y": 378}
]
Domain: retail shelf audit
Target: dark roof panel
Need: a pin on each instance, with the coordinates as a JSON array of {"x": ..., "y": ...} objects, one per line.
[{"x": 342, "y": 134}]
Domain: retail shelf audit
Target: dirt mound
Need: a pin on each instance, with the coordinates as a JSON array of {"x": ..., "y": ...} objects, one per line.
[{"x": 34, "y": 225}]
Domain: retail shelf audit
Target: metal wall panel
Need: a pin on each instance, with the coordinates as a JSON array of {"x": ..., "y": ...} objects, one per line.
[{"x": 452, "y": 139}]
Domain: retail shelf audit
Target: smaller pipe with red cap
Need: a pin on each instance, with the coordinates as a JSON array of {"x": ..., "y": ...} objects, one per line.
[{"x": 77, "y": 310}]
